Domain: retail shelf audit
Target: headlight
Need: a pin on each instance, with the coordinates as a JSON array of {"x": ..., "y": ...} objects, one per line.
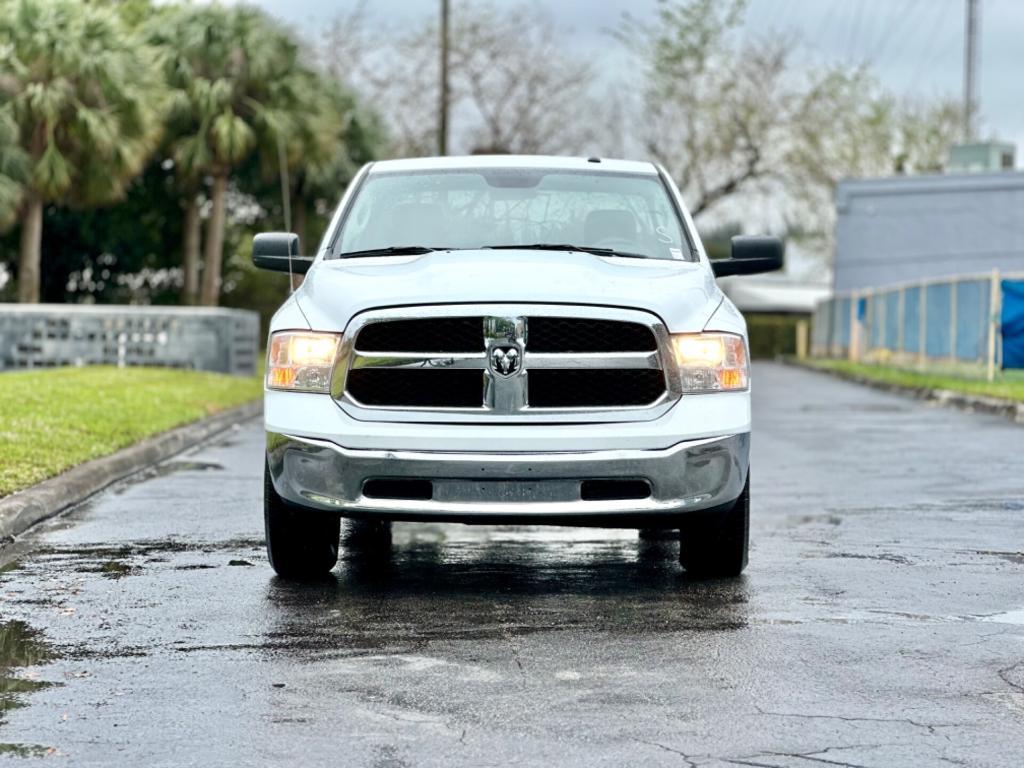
[
  {"x": 301, "y": 361},
  {"x": 711, "y": 362}
]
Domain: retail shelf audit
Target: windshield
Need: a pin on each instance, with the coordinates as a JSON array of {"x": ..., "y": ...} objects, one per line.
[{"x": 501, "y": 207}]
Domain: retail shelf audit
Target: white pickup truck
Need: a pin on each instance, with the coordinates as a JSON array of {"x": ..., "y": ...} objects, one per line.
[{"x": 530, "y": 340}]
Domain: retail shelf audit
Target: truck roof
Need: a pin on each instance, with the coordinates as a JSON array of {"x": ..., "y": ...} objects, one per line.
[{"x": 514, "y": 161}]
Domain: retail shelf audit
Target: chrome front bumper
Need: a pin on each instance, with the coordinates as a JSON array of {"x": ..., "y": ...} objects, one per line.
[{"x": 491, "y": 487}]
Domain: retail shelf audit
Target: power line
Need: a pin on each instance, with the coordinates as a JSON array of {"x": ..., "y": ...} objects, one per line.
[
  {"x": 826, "y": 20},
  {"x": 929, "y": 54},
  {"x": 851, "y": 38},
  {"x": 890, "y": 31}
]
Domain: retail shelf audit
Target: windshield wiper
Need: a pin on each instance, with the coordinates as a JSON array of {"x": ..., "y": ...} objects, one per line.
[
  {"x": 568, "y": 247},
  {"x": 391, "y": 250}
]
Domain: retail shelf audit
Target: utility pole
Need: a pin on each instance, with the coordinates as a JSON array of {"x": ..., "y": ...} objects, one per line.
[
  {"x": 971, "y": 55},
  {"x": 442, "y": 123}
]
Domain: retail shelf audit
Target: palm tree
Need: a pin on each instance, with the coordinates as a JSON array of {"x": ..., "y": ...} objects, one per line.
[
  {"x": 168, "y": 32},
  {"x": 85, "y": 101},
  {"x": 236, "y": 85},
  {"x": 13, "y": 170}
]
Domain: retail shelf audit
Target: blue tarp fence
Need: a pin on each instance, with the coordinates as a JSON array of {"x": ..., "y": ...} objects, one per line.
[
  {"x": 939, "y": 320},
  {"x": 1012, "y": 322}
]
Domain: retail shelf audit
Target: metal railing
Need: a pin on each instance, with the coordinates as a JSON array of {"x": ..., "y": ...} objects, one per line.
[
  {"x": 949, "y": 321},
  {"x": 200, "y": 338}
]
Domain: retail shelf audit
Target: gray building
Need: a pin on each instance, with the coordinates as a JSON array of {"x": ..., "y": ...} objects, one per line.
[{"x": 914, "y": 229}]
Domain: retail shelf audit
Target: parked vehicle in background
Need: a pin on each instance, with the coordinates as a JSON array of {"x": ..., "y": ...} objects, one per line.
[{"x": 509, "y": 340}]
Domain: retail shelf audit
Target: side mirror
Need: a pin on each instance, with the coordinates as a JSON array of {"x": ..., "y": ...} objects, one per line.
[
  {"x": 751, "y": 255},
  {"x": 277, "y": 250}
]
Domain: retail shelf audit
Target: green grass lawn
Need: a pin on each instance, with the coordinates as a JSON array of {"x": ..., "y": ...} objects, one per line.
[
  {"x": 1008, "y": 384},
  {"x": 51, "y": 420}
]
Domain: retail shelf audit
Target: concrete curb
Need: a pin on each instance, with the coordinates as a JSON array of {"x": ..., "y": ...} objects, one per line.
[
  {"x": 1010, "y": 409},
  {"x": 23, "y": 509}
]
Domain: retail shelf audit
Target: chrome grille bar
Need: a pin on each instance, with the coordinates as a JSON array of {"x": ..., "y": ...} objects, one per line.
[
  {"x": 532, "y": 360},
  {"x": 438, "y": 360},
  {"x": 592, "y": 360}
]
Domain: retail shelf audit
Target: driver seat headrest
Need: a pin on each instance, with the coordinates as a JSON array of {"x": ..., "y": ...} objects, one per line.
[{"x": 609, "y": 223}]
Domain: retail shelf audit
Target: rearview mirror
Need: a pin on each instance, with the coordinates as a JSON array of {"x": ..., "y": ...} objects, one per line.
[
  {"x": 279, "y": 252},
  {"x": 751, "y": 255}
]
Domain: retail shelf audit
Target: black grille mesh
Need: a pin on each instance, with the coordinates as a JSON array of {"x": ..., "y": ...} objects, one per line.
[
  {"x": 442, "y": 334},
  {"x": 417, "y": 388},
  {"x": 594, "y": 388},
  {"x": 570, "y": 334}
]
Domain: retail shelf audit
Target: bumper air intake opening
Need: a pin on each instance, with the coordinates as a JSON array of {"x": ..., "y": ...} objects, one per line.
[
  {"x": 390, "y": 488},
  {"x": 614, "y": 490}
]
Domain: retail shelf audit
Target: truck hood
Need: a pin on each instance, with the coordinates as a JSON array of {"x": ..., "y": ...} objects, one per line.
[{"x": 682, "y": 294}]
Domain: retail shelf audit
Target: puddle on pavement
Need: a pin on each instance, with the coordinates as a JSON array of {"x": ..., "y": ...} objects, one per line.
[
  {"x": 26, "y": 750},
  {"x": 814, "y": 520},
  {"x": 163, "y": 470},
  {"x": 143, "y": 549},
  {"x": 1010, "y": 557},
  {"x": 169, "y": 467},
  {"x": 112, "y": 569},
  {"x": 20, "y": 646},
  {"x": 882, "y": 557},
  {"x": 856, "y": 407},
  {"x": 1010, "y": 617}
]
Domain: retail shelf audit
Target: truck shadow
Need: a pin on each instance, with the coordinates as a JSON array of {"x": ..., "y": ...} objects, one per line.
[{"x": 422, "y": 591}]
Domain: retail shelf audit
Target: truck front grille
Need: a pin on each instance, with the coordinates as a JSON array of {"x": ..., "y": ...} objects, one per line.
[{"x": 509, "y": 365}]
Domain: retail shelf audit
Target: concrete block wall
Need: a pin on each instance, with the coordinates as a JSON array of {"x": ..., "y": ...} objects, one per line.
[{"x": 199, "y": 338}]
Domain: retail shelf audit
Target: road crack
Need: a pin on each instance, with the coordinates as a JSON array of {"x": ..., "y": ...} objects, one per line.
[
  {"x": 930, "y": 727},
  {"x": 509, "y": 636},
  {"x": 686, "y": 758},
  {"x": 810, "y": 756},
  {"x": 800, "y": 756},
  {"x": 1004, "y": 675}
]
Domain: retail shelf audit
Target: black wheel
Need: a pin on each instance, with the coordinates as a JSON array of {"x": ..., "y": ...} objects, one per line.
[
  {"x": 302, "y": 544},
  {"x": 716, "y": 545}
]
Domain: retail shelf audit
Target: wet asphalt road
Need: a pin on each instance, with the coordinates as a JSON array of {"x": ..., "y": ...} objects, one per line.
[{"x": 881, "y": 621}]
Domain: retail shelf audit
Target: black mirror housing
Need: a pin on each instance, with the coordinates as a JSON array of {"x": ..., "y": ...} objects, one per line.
[
  {"x": 751, "y": 255},
  {"x": 279, "y": 252}
]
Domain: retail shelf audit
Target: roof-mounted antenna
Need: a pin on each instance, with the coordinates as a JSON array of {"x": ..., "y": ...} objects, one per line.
[{"x": 286, "y": 204}]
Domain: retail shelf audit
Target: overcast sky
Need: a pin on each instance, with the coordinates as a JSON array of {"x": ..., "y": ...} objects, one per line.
[{"x": 915, "y": 46}]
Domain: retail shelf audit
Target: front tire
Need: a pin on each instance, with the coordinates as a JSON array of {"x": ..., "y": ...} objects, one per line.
[
  {"x": 715, "y": 546},
  {"x": 302, "y": 544}
]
